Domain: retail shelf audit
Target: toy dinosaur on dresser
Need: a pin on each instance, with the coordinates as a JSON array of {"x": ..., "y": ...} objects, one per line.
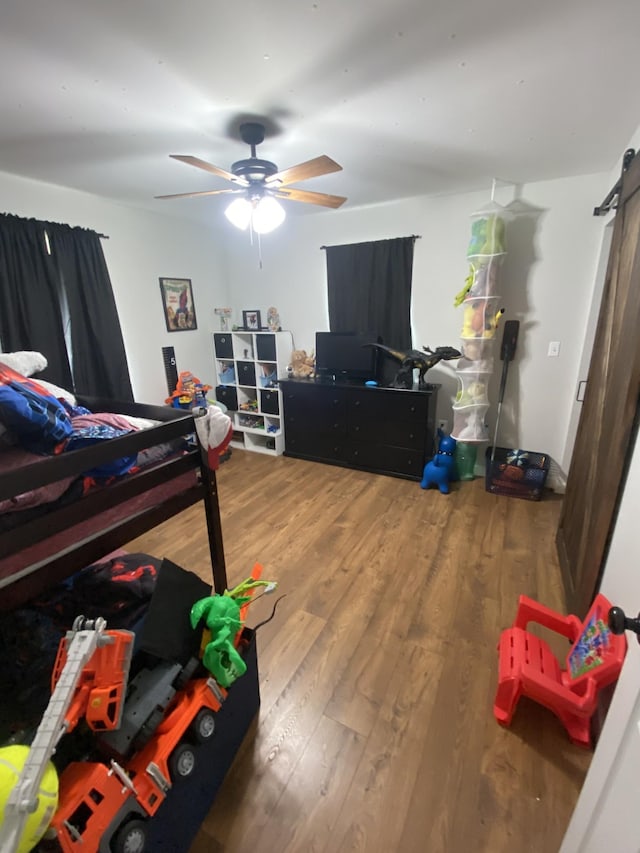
[{"x": 413, "y": 359}]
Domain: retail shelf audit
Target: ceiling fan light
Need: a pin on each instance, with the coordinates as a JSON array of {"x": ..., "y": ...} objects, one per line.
[
  {"x": 268, "y": 214},
  {"x": 239, "y": 213}
]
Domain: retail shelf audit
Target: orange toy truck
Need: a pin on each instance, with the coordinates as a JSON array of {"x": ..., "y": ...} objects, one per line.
[{"x": 146, "y": 733}]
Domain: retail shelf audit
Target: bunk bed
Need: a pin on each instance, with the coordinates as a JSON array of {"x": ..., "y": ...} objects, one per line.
[{"x": 40, "y": 551}]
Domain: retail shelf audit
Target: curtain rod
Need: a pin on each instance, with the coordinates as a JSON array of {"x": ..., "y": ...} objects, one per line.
[{"x": 412, "y": 236}]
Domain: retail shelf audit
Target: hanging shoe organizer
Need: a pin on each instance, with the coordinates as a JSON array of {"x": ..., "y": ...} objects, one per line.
[{"x": 480, "y": 302}]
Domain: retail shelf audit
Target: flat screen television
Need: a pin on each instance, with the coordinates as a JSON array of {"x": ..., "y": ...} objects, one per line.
[{"x": 344, "y": 356}]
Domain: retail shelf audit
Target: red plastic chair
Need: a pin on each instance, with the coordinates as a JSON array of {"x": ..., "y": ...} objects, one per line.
[{"x": 528, "y": 667}]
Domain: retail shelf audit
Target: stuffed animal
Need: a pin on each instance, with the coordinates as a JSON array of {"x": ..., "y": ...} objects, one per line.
[
  {"x": 302, "y": 366},
  {"x": 441, "y": 470}
]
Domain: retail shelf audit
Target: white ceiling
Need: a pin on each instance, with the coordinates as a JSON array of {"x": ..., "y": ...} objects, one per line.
[{"x": 411, "y": 97}]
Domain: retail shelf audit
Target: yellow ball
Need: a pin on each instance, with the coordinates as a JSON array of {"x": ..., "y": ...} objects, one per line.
[{"x": 12, "y": 759}]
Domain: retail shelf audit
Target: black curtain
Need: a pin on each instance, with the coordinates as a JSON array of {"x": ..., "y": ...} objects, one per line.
[
  {"x": 369, "y": 289},
  {"x": 97, "y": 347},
  {"x": 30, "y": 314}
]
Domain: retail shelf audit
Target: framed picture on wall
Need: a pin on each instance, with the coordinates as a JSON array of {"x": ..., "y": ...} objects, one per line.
[
  {"x": 178, "y": 304},
  {"x": 251, "y": 321}
]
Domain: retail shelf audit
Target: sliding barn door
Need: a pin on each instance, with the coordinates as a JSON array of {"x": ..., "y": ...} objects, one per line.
[{"x": 607, "y": 423}]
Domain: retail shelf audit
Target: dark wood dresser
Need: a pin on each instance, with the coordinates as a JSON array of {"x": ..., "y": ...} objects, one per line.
[{"x": 382, "y": 430}]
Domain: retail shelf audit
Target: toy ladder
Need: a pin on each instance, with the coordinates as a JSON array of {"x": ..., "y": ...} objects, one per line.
[{"x": 23, "y": 799}]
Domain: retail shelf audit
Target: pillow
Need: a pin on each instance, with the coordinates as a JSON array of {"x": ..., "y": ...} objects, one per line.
[
  {"x": 56, "y": 391},
  {"x": 140, "y": 423},
  {"x": 26, "y": 362}
]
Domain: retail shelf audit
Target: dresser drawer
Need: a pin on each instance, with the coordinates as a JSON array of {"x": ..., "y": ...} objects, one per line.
[
  {"x": 381, "y": 405},
  {"x": 407, "y": 434},
  {"x": 321, "y": 447},
  {"x": 301, "y": 419},
  {"x": 314, "y": 405},
  {"x": 386, "y": 459}
]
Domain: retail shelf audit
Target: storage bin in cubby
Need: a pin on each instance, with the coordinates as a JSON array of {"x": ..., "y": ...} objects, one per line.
[
  {"x": 266, "y": 348},
  {"x": 249, "y": 420},
  {"x": 270, "y": 401},
  {"x": 469, "y": 423},
  {"x": 268, "y": 374},
  {"x": 228, "y": 395},
  {"x": 223, "y": 345},
  {"x": 226, "y": 373},
  {"x": 246, "y": 373}
]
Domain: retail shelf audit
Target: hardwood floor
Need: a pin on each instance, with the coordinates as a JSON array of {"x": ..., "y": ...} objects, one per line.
[{"x": 378, "y": 672}]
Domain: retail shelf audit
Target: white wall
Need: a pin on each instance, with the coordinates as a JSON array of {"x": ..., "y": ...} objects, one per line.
[
  {"x": 142, "y": 246},
  {"x": 546, "y": 282}
]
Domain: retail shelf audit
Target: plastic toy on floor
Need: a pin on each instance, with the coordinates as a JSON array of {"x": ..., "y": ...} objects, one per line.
[
  {"x": 441, "y": 470},
  {"x": 528, "y": 667},
  {"x": 224, "y": 616}
]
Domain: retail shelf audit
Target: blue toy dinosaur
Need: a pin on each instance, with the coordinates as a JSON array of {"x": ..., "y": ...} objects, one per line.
[{"x": 441, "y": 470}]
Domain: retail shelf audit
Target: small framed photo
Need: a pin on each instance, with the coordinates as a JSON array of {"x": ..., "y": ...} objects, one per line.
[
  {"x": 178, "y": 305},
  {"x": 251, "y": 321}
]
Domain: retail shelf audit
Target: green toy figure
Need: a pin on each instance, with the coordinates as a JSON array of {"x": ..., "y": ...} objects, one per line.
[{"x": 224, "y": 616}]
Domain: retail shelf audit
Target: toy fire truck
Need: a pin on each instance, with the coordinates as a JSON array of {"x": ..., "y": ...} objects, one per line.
[{"x": 146, "y": 737}]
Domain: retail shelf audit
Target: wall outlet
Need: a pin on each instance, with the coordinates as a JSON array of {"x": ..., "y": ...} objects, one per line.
[{"x": 443, "y": 425}]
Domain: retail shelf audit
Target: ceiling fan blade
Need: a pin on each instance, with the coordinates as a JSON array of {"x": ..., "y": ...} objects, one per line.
[
  {"x": 310, "y": 198},
  {"x": 190, "y": 160},
  {"x": 204, "y": 192},
  {"x": 311, "y": 169}
]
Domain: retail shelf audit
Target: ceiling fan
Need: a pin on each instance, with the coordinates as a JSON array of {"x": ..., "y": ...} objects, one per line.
[{"x": 259, "y": 183}]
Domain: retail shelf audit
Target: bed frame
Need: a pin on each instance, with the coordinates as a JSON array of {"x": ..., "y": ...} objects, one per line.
[{"x": 140, "y": 500}]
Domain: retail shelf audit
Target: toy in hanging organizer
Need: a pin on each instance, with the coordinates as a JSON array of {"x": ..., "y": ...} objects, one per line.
[{"x": 482, "y": 311}]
